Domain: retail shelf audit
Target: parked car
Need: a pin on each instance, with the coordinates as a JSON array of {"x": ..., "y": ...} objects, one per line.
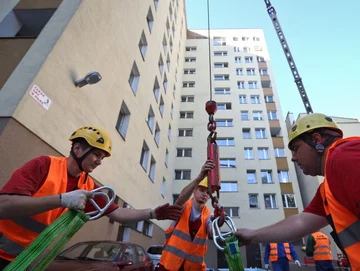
[
  {"x": 155, "y": 252},
  {"x": 103, "y": 255}
]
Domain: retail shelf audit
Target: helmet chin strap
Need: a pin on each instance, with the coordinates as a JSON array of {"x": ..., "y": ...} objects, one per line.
[{"x": 79, "y": 160}]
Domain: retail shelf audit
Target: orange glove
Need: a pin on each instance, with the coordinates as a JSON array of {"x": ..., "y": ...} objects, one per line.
[{"x": 167, "y": 211}]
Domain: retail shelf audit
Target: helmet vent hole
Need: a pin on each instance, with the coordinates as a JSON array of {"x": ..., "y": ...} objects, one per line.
[{"x": 100, "y": 140}]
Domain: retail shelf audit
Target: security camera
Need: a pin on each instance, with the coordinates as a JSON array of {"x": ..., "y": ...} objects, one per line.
[{"x": 90, "y": 78}]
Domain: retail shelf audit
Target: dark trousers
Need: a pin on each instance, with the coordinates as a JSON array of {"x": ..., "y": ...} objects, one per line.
[
  {"x": 324, "y": 266},
  {"x": 3, "y": 263}
]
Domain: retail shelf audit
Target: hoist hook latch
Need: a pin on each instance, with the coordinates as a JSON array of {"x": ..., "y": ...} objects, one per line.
[
  {"x": 218, "y": 236},
  {"x": 109, "y": 197}
]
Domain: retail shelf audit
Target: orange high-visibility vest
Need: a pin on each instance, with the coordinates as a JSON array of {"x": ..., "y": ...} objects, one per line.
[
  {"x": 274, "y": 252},
  {"x": 322, "y": 248},
  {"x": 179, "y": 248},
  {"x": 17, "y": 234},
  {"x": 344, "y": 223}
]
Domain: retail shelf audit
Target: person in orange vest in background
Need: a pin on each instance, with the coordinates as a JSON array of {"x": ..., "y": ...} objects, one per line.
[
  {"x": 45, "y": 187},
  {"x": 318, "y": 246},
  {"x": 185, "y": 246},
  {"x": 317, "y": 147},
  {"x": 280, "y": 255}
]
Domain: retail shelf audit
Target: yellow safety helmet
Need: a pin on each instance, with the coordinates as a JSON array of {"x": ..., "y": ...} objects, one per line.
[
  {"x": 204, "y": 182},
  {"x": 310, "y": 122},
  {"x": 95, "y": 137}
]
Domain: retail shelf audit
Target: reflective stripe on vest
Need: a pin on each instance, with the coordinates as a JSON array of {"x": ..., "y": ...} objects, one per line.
[
  {"x": 273, "y": 255},
  {"x": 345, "y": 223},
  {"x": 18, "y": 233},
  {"x": 179, "y": 249}
]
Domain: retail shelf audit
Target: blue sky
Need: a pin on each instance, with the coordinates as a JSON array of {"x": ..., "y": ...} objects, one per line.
[{"x": 324, "y": 39}]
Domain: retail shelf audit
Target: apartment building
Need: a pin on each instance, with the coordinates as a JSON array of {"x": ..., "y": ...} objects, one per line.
[
  {"x": 138, "y": 49},
  {"x": 258, "y": 179}
]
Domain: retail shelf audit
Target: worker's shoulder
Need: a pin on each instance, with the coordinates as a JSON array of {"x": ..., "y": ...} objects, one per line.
[{"x": 347, "y": 150}]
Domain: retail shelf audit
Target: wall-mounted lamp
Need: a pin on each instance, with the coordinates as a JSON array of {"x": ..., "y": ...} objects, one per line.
[{"x": 90, "y": 78}]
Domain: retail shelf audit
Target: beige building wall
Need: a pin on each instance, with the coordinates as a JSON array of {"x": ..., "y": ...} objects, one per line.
[{"x": 85, "y": 36}]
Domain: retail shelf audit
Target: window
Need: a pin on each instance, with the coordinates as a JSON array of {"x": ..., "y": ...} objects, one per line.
[
  {"x": 147, "y": 230},
  {"x": 144, "y": 157},
  {"x": 185, "y": 132},
  {"x": 269, "y": 99},
  {"x": 169, "y": 132},
  {"x": 190, "y": 59},
  {"x": 134, "y": 78},
  {"x": 280, "y": 152},
  {"x": 283, "y": 176},
  {"x": 156, "y": 89},
  {"x": 242, "y": 99},
  {"x": 288, "y": 200},
  {"x": 251, "y": 176},
  {"x": 260, "y": 133},
  {"x": 173, "y": 29},
  {"x": 219, "y": 41},
  {"x": 164, "y": 43},
  {"x": 161, "y": 106},
  {"x": 156, "y": 4},
  {"x": 235, "y": 38},
  {"x": 232, "y": 211},
  {"x": 224, "y": 123},
  {"x": 228, "y": 162},
  {"x": 266, "y": 176},
  {"x": 184, "y": 152},
  {"x": 255, "y": 99},
  {"x": 264, "y": 72},
  {"x": 244, "y": 115},
  {"x": 152, "y": 169},
  {"x": 256, "y": 39},
  {"x": 237, "y": 59},
  {"x": 190, "y": 48},
  {"x": 172, "y": 110},
  {"x": 187, "y": 99},
  {"x": 236, "y": 49},
  {"x": 150, "y": 19},
  {"x": 270, "y": 201},
  {"x": 225, "y": 141},
  {"x": 161, "y": 64},
  {"x": 175, "y": 197},
  {"x": 163, "y": 187},
  {"x": 260, "y": 59},
  {"x": 189, "y": 71},
  {"x": 168, "y": 62},
  {"x": 221, "y": 77},
  {"x": 218, "y": 53},
  {"x": 248, "y": 59},
  {"x": 157, "y": 134},
  {"x": 188, "y": 84},
  {"x": 252, "y": 84},
  {"x": 166, "y": 160},
  {"x": 221, "y": 65},
  {"x": 246, "y": 133},
  {"x": 150, "y": 119},
  {"x": 272, "y": 115},
  {"x": 182, "y": 174},
  {"x": 168, "y": 26},
  {"x": 224, "y": 106},
  {"x": 248, "y": 153},
  {"x": 222, "y": 90},
  {"x": 250, "y": 71},
  {"x": 263, "y": 153},
  {"x": 171, "y": 45},
  {"x": 246, "y": 49},
  {"x": 239, "y": 71},
  {"x": 123, "y": 120},
  {"x": 253, "y": 201},
  {"x": 165, "y": 82},
  {"x": 241, "y": 84},
  {"x": 143, "y": 45},
  {"x": 257, "y": 115},
  {"x": 186, "y": 115},
  {"x": 244, "y": 38},
  {"x": 174, "y": 91},
  {"x": 170, "y": 11},
  {"x": 229, "y": 187}
]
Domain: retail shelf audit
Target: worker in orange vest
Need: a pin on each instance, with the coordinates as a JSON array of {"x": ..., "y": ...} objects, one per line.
[
  {"x": 317, "y": 147},
  {"x": 185, "y": 246},
  {"x": 318, "y": 246},
  {"x": 45, "y": 187},
  {"x": 280, "y": 255}
]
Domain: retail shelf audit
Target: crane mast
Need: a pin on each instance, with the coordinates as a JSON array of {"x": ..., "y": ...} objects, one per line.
[{"x": 272, "y": 13}]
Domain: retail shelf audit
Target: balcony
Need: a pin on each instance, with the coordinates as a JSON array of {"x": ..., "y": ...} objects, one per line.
[
  {"x": 281, "y": 163},
  {"x": 268, "y": 91},
  {"x": 278, "y": 142}
]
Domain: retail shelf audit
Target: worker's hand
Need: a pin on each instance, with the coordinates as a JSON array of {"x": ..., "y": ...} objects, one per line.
[
  {"x": 167, "y": 211},
  {"x": 209, "y": 164},
  {"x": 298, "y": 263},
  {"x": 245, "y": 236},
  {"x": 267, "y": 266},
  {"x": 75, "y": 199},
  {"x": 303, "y": 248}
]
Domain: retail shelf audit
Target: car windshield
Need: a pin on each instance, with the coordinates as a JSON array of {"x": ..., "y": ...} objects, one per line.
[
  {"x": 155, "y": 250},
  {"x": 93, "y": 251}
]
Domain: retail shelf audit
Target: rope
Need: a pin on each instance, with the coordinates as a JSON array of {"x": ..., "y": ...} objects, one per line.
[
  {"x": 233, "y": 254},
  {"x": 208, "y": 17},
  {"x": 62, "y": 228}
]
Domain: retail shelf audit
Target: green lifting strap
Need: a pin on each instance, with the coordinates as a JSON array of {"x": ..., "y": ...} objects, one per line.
[
  {"x": 233, "y": 254},
  {"x": 62, "y": 229}
]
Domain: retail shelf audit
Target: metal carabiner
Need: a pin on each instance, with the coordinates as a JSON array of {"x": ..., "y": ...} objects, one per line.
[
  {"x": 100, "y": 211},
  {"x": 217, "y": 234}
]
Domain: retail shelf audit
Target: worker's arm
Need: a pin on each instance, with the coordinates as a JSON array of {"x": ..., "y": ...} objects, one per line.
[
  {"x": 310, "y": 246},
  {"x": 291, "y": 228},
  {"x": 267, "y": 253},
  {"x": 293, "y": 253},
  {"x": 188, "y": 190},
  {"x": 209, "y": 227}
]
